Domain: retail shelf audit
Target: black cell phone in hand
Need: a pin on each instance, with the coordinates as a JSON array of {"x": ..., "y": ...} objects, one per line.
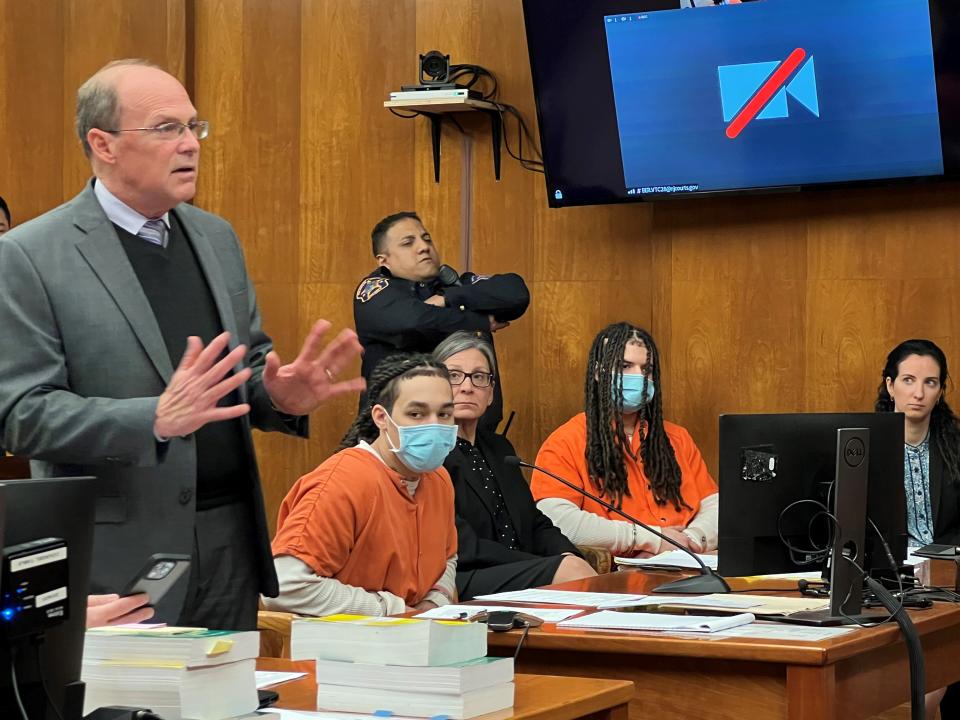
[{"x": 159, "y": 575}]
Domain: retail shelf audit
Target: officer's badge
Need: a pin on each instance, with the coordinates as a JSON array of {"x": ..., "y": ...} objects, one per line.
[{"x": 370, "y": 287}]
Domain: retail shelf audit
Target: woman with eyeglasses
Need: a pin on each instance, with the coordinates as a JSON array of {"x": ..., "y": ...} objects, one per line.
[
  {"x": 622, "y": 450},
  {"x": 504, "y": 542}
]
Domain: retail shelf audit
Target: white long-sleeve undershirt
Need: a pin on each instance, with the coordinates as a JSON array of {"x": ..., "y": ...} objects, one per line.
[
  {"x": 622, "y": 537},
  {"x": 304, "y": 592}
]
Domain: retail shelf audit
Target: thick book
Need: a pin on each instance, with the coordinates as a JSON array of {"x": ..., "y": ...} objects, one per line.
[
  {"x": 172, "y": 690},
  {"x": 193, "y": 647},
  {"x": 453, "y": 679},
  {"x": 420, "y": 704},
  {"x": 387, "y": 641}
]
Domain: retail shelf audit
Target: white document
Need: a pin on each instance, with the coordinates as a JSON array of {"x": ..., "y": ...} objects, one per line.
[
  {"x": 775, "y": 631},
  {"x": 611, "y": 620},
  {"x": 281, "y": 714},
  {"x": 764, "y": 604},
  {"x": 720, "y": 600},
  {"x": 812, "y": 575},
  {"x": 464, "y": 612},
  {"x": 671, "y": 558},
  {"x": 641, "y": 601},
  {"x": 266, "y": 678},
  {"x": 559, "y": 597}
]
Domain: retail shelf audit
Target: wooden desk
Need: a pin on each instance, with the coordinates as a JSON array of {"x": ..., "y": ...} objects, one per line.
[
  {"x": 943, "y": 573},
  {"x": 537, "y": 698},
  {"x": 854, "y": 676}
]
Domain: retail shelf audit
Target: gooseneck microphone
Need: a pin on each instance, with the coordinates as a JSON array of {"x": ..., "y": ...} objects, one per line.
[{"x": 706, "y": 582}]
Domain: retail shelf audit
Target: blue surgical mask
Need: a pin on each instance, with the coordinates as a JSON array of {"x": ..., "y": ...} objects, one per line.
[
  {"x": 423, "y": 447},
  {"x": 634, "y": 396}
]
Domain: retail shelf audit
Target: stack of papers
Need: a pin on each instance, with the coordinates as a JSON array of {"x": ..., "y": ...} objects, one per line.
[
  {"x": 178, "y": 672},
  {"x": 403, "y": 666},
  {"x": 387, "y": 641},
  {"x": 670, "y": 559},
  {"x": 757, "y": 604},
  {"x": 722, "y": 602},
  {"x": 268, "y": 678},
  {"x": 466, "y": 612},
  {"x": 719, "y": 601},
  {"x": 560, "y": 597},
  {"x": 777, "y": 631},
  {"x": 611, "y": 620},
  {"x": 463, "y": 690}
]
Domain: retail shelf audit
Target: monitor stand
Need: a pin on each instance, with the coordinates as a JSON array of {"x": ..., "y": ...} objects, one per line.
[{"x": 850, "y": 510}]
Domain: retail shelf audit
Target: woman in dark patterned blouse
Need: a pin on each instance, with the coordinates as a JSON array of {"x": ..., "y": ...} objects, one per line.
[
  {"x": 913, "y": 382},
  {"x": 505, "y": 542}
]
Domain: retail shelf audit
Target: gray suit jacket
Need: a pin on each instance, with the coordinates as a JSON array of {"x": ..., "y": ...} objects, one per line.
[{"x": 82, "y": 368}]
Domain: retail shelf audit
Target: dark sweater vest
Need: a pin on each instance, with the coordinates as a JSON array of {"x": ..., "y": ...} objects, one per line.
[{"x": 177, "y": 289}]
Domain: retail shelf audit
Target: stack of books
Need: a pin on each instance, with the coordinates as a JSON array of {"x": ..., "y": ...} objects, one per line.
[
  {"x": 403, "y": 666},
  {"x": 178, "y": 673}
]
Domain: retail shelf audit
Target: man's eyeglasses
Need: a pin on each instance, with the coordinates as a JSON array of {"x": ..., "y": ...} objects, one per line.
[
  {"x": 172, "y": 130},
  {"x": 479, "y": 379}
]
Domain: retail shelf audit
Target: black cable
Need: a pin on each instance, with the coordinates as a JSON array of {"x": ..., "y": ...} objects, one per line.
[
  {"x": 526, "y": 629},
  {"x": 15, "y": 684},
  {"x": 814, "y": 553},
  {"x": 43, "y": 683},
  {"x": 526, "y": 131},
  {"x": 405, "y": 117},
  {"x": 530, "y": 164},
  {"x": 914, "y": 649},
  {"x": 477, "y": 72},
  {"x": 896, "y": 610},
  {"x": 469, "y": 75}
]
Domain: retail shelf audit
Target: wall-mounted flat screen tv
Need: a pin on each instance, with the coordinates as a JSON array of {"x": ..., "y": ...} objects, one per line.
[{"x": 646, "y": 99}]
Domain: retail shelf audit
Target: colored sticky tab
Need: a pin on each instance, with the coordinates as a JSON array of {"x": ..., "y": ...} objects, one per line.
[
  {"x": 220, "y": 647},
  {"x": 440, "y": 717},
  {"x": 383, "y": 713}
]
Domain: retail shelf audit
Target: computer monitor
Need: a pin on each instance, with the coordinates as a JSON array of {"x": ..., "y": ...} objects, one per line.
[
  {"x": 60, "y": 508},
  {"x": 769, "y": 461}
]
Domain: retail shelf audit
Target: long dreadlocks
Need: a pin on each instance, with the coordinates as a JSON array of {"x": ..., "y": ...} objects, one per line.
[
  {"x": 606, "y": 439},
  {"x": 384, "y": 388},
  {"x": 944, "y": 424}
]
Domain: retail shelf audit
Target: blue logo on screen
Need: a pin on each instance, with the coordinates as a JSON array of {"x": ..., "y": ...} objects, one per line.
[{"x": 758, "y": 91}]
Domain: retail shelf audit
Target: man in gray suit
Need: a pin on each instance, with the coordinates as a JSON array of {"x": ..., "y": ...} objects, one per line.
[{"x": 133, "y": 351}]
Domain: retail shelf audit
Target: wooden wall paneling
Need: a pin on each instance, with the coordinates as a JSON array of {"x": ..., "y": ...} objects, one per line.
[
  {"x": 98, "y": 31},
  {"x": 445, "y": 207},
  {"x": 882, "y": 269},
  {"x": 498, "y": 215},
  {"x": 357, "y": 158},
  {"x": 737, "y": 293},
  {"x": 31, "y": 106},
  {"x": 247, "y": 84},
  {"x": 357, "y": 165}
]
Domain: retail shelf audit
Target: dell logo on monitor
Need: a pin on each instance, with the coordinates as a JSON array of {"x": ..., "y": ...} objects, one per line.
[
  {"x": 759, "y": 90},
  {"x": 854, "y": 452}
]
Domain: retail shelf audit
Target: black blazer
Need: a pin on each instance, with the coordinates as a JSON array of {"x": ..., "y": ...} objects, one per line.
[
  {"x": 944, "y": 500},
  {"x": 478, "y": 546}
]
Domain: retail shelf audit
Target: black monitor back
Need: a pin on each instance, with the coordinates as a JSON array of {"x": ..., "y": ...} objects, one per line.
[
  {"x": 30, "y": 510},
  {"x": 805, "y": 449}
]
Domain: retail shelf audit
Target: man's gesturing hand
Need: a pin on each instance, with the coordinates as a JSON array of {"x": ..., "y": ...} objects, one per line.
[
  {"x": 309, "y": 381},
  {"x": 198, "y": 384}
]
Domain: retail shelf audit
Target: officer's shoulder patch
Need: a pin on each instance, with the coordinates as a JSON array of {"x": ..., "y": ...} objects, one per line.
[
  {"x": 477, "y": 278},
  {"x": 370, "y": 287}
]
